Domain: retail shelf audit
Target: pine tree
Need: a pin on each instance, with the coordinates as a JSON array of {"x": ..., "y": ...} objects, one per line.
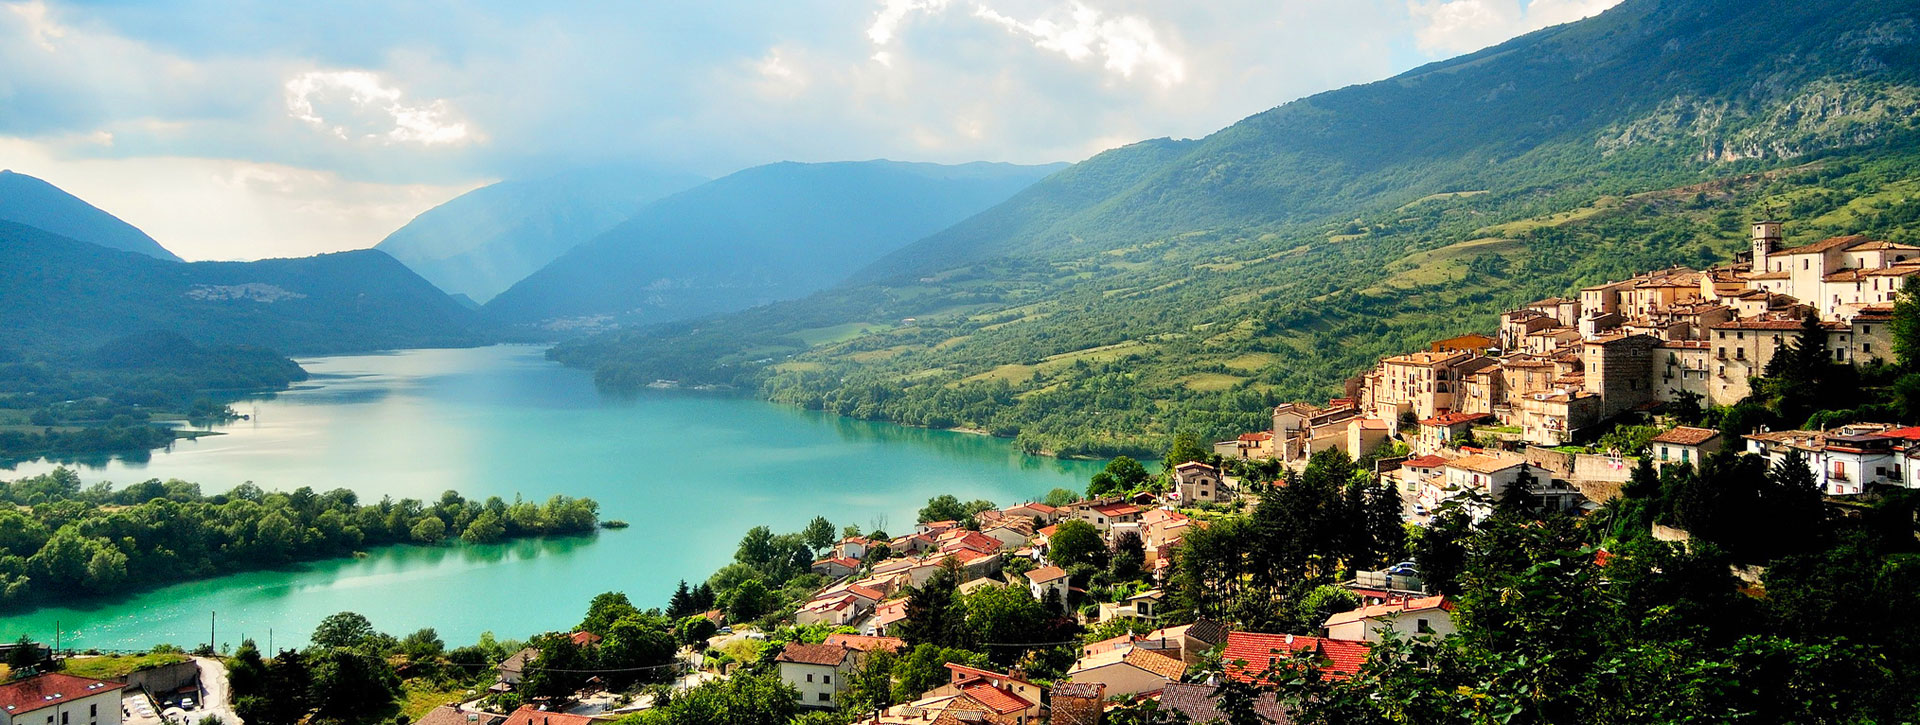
[{"x": 681, "y": 605}]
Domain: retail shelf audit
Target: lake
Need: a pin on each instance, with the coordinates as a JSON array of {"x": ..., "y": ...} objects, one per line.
[{"x": 690, "y": 471}]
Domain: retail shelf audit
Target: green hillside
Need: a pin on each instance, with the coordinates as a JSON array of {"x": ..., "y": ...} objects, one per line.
[
  {"x": 768, "y": 233},
  {"x": 1172, "y": 286},
  {"x": 58, "y": 294}
]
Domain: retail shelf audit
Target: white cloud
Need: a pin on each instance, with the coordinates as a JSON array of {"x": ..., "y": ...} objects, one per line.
[
  {"x": 1123, "y": 44},
  {"x": 39, "y": 23},
  {"x": 1459, "y": 26},
  {"x": 358, "y": 104},
  {"x": 226, "y": 209}
]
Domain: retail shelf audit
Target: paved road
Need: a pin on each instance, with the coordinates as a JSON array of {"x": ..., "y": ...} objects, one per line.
[{"x": 218, "y": 697}]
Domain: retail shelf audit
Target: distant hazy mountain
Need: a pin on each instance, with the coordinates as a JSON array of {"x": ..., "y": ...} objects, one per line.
[
  {"x": 485, "y": 240},
  {"x": 767, "y": 233},
  {"x": 35, "y": 203},
  {"x": 58, "y": 293}
]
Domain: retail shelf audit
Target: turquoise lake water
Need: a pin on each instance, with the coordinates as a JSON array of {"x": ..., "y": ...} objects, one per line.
[{"x": 690, "y": 471}]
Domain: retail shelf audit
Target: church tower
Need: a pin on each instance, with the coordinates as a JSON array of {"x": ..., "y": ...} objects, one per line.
[{"x": 1766, "y": 241}]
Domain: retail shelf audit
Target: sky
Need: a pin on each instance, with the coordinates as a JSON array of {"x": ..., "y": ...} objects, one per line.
[{"x": 244, "y": 130}]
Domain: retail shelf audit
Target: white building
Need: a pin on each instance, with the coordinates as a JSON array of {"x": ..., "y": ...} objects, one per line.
[
  {"x": 57, "y": 698},
  {"x": 1413, "y": 617},
  {"x": 817, "y": 671}
]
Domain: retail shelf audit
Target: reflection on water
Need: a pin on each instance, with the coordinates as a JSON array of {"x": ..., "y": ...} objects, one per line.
[{"x": 691, "y": 471}]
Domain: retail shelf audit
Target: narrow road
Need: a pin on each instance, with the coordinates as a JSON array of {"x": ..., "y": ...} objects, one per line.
[{"x": 218, "y": 696}]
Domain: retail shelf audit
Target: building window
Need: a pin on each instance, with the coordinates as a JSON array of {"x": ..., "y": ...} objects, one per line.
[
  {"x": 809, "y": 677},
  {"x": 825, "y": 697},
  {"x": 1420, "y": 625},
  {"x": 826, "y": 679}
]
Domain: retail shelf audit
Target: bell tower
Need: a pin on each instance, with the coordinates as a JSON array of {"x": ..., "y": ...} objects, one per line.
[{"x": 1766, "y": 241}]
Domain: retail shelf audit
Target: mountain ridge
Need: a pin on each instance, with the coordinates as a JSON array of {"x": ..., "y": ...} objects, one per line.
[{"x": 34, "y": 202}]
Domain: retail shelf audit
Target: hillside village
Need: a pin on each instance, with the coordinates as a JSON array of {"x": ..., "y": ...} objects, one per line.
[{"x": 1471, "y": 421}]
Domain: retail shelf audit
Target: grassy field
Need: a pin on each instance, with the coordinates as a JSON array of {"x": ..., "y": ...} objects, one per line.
[
  {"x": 113, "y": 668},
  {"x": 420, "y": 697}
]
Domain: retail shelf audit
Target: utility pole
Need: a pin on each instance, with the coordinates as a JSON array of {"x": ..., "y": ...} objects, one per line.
[
  {"x": 212, "y": 617},
  {"x": 270, "y": 651},
  {"x": 56, "y": 639}
]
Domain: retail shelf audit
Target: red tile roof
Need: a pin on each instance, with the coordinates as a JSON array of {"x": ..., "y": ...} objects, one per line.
[
  {"x": 864, "y": 643},
  {"x": 528, "y": 715},
  {"x": 47, "y": 690},
  {"x": 1046, "y": 574},
  {"x": 1425, "y": 462},
  {"x": 1000, "y": 701},
  {"x": 1410, "y": 605},
  {"x": 1455, "y": 418},
  {"x": 584, "y": 639},
  {"x": 1156, "y": 663},
  {"x": 830, "y": 655},
  {"x": 1117, "y": 509},
  {"x": 1687, "y": 436},
  {"x": 1261, "y": 651}
]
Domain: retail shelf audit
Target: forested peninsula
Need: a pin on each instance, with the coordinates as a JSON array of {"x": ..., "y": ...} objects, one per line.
[{"x": 62, "y": 541}]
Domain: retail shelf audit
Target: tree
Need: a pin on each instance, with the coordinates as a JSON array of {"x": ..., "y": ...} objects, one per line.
[
  {"x": 1060, "y": 497},
  {"x": 423, "y": 645},
  {"x": 819, "y": 534},
  {"x": 1186, "y": 447},
  {"x": 749, "y": 601},
  {"x": 756, "y": 548},
  {"x": 605, "y": 609},
  {"x": 486, "y": 528},
  {"x": 743, "y": 699},
  {"x": 1129, "y": 557},
  {"x": 346, "y": 629},
  {"x": 925, "y": 667},
  {"x": 695, "y": 630},
  {"x": 934, "y": 614},
  {"x": 1075, "y": 542},
  {"x": 428, "y": 530},
  {"x": 1906, "y": 326},
  {"x": 1010, "y": 615},
  {"x": 944, "y": 507},
  {"x": 637, "y": 645},
  {"x": 681, "y": 604},
  {"x": 350, "y": 685},
  {"x": 25, "y": 654},
  {"x": 1441, "y": 550}
]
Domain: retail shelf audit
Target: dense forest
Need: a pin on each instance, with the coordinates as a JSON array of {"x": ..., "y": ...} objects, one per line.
[
  {"x": 1170, "y": 286},
  {"x": 61, "y": 540}
]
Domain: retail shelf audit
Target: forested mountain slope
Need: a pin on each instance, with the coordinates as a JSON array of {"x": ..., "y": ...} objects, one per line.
[
  {"x": 27, "y": 200},
  {"x": 485, "y": 240},
  {"x": 57, "y": 294},
  {"x": 768, "y": 233},
  {"x": 1187, "y": 286}
]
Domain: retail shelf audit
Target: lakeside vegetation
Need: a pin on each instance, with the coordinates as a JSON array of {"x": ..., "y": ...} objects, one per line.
[
  {"x": 110, "y": 399},
  {"x": 60, "y": 540}
]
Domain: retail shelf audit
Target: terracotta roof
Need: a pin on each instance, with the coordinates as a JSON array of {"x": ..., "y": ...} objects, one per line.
[
  {"x": 1379, "y": 610},
  {"x": 450, "y": 715},
  {"x": 1040, "y": 507},
  {"x": 890, "y": 612},
  {"x": 999, "y": 700},
  {"x": 528, "y": 715},
  {"x": 1687, "y": 436},
  {"x": 1261, "y": 651},
  {"x": 1424, "y": 462},
  {"x": 1046, "y": 574},
  {"x": 53, "y": 688},
  {"x": 1758, "y": 325},
  {"x": 1450, "y": 419},
  {"x": 1424, "y": 358},
  {"x": 1199, "y": 702},
  {"x": 1825, "y": 245},
  {"x": 1556, "y": 301},
  {"x": 1088, "y": 690},
  {"x": 1117, "y": 509},
  {"x": 864, "y": 643},
  {"x": 584, "y": 639},
  {"x": 830, "y": 655},
  {"x": 1156, "y": 663},
  {"x": 1483, "y": 464}
]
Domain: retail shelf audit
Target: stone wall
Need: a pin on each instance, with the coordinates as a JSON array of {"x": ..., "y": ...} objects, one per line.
[{"x": 165, "y": 678}]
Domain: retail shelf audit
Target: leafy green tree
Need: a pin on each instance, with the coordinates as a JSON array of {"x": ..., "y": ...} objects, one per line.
[
  {"x": 695, "y": 630},
  {"x": 944, "y": 507},
  {"x": 345, "y": 629},
  {"x": 423, "y": 645},
  {"x": 1010, "y": 615},
  {"x": 605, "y": 609},
  {"x": 1129, "y": 558},
  {"x": 1906, "y": 326},
  {"x": 934, "y": 612},
  {"x": 350, "y": 685},
  {"x": 1060, "y": 497},
  {"x": 743, "y": 699},
  {"x": 486, "y": 528},
  {"x": 1075, "y": 542},
  {"x": 925, "y": 667},
  {"x": 1186, "y": 447},
  {"x": 749, "y": 601},
  {"x": 870, "y": 687},
  {"x": 638, "y": 647},
  {"x": 819, "y": 534},
  {"x": 428, "y": 530}
]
